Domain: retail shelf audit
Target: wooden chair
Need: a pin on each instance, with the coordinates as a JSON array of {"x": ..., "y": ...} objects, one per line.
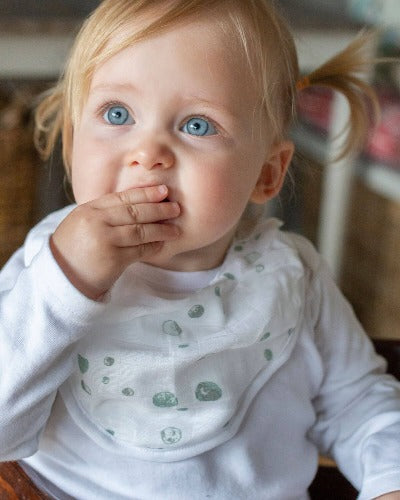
[{"x": 16, "y": 485}]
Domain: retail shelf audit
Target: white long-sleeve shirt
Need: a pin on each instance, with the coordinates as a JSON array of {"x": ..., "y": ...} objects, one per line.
[{"x": 322, "y": 388}]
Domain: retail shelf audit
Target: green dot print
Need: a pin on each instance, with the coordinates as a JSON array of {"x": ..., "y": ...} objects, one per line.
[
  {"x": 217, "y": 291},
  {"x": 268, "y": 354},
  {"x": 105, "y": 380},
  {"x": 86, "y": 388},
  {"x": 238, "y": 248},
  {"x": 252, "y": 257},
  {"x": 108, "y": 361},
  {"x": 83, "y": 364},
  {"x": 171, "y": 327},
  {"x": 265, "y": 336},
  {"x": 183, "y": 346},
  {"x": 171, "y": 435},
  {"x": 229, "y": 276},
  {"x": 165, "y": 399},
  {"x": 110, "y": 432},
  {"x": 208, "y": 391},
  {"x": 259, "y": 268},
  {"x": 128, "y": 391},
  {"x": 196, "y": 311}
]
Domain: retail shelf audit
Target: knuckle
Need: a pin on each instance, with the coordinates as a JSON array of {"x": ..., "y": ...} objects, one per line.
[
  {"x": 146, "y": 249},
  {"x": 139, "y": 232},
  {"x": 133, "y": 212},
  {"x": 141, "y": 250},
  {"x": 123, "y": 197}
]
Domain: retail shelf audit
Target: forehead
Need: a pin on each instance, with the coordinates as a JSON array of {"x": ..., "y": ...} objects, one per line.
[{"x": 201, "y": 54}]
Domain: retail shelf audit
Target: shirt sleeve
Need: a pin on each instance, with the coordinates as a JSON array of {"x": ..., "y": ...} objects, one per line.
[
  {"x": 42, "y": 317},
  {"x": 358, "y": 404}
]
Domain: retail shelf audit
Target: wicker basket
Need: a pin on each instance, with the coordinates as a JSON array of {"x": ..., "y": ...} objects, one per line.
[
  {"x": 371, "y": 265},
  {"x": 19, "y": 164}
]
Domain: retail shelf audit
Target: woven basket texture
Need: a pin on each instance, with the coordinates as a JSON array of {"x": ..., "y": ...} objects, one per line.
[{"x": 19, "y": 167}]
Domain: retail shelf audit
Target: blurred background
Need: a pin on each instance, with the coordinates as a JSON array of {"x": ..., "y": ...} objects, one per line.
[{"x": 350, "y": 210}]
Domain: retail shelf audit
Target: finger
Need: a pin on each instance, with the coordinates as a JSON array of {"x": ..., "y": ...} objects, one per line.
[
  {"x": 139, "y": 234},
  {"x": 132, "y": 196},
  {"x": 141, "y": 213},
  {"x": 141, "y": 252}
]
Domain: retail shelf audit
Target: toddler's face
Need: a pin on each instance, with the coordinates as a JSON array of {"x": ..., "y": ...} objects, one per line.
[{"x": 175, "y": 109}]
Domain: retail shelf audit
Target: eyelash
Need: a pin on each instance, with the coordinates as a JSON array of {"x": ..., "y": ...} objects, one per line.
[
  {"x": 203, "y": 117},
  {"x": 109, "y": 104}
]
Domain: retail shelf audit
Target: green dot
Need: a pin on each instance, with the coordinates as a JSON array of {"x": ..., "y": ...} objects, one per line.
[
  {"x": 217, "y": 291},
  {"x": 165, "y": 399},
  {"x": 208, "y": 391},
  {"x": 109, "y": 361},
  {"x": 290, "y": 331},
  {"x": 128, "y": 391},
  {"x": 171, "y": 435},
  {"x": 83, "y": 364},
  {"x": 183, "y": 346},
  {"x": 265, "y": 336},
  {"x": 238, "y": 248},
  {"x": 105, "y": 380},
  {"x": 196, "y": 311},
  {"x": 257, "y": 236},
  {"x": 110, "y": 432},
  {"x": 259, "y": 268},
  {"x": 229, "y": 276},
  {"x": 86, "y": 388},
  {"x": 182, "y": 409},
  {"x": 171, "y": 327},
  {"x": 268, "y": 354}
]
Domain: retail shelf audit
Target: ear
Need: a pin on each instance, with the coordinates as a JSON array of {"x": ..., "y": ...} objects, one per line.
[{"x": 273, "y": 172}]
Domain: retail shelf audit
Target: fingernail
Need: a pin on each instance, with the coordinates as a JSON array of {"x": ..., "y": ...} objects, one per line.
[{"x": 162, "y": 189}]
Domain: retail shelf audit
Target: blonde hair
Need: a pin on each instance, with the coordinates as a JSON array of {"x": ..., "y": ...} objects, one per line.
[{"x": 262, "y": 35}]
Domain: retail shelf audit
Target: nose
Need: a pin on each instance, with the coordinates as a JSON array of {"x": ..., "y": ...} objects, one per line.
[{"x": 150, "y": 152}]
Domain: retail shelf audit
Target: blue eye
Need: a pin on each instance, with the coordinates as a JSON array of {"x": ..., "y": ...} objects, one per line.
[
  {"x": 199, "y": 126},
  {"x": 118, "y": 115}
]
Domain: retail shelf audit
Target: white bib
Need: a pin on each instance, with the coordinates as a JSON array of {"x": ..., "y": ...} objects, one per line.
[{"x": 172, "y": 376}]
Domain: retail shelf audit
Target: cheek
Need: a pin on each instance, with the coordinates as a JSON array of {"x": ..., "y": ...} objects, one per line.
[
  {"x": 89, "y": 177},
  {"x": 220, "y": 195}
]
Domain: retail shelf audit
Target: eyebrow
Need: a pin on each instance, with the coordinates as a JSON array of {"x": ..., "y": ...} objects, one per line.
[
  {"x": 211, "y": 104},
  {"x": 114, "y": 86}
]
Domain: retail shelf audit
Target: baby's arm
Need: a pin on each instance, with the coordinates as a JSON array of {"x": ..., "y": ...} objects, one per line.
[
  {"x": 99, "y": 239},
  {"x": 42, "y": 317},
  {"x": 357, "y": 405},
  {"x": 44, "y": 304}
]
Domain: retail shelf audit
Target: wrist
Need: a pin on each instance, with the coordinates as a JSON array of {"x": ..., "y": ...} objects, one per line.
[{"x": 78, "y": 283}]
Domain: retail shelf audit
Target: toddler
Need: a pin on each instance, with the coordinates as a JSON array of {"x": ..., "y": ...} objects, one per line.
[{"x": 156, "y": 343}]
